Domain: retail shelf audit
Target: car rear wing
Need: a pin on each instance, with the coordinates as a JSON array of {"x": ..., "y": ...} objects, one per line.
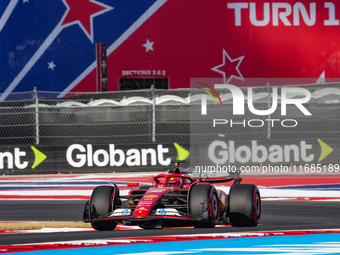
[{"x": 236, "y": 179}]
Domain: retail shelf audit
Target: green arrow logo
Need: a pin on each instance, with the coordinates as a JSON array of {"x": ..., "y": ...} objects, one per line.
[
  {"x": 182, "y": 154},
  {"x": 325, "y": 149},
  {"x": 39, "y": 157}
]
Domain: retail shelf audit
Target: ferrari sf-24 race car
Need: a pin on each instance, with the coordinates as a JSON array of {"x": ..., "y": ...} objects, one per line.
[{"x": 175, "y": 199}]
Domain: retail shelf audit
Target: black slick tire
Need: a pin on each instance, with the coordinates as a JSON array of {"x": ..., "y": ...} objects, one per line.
[
  {"x": 204, "y": 197},
  {"x": 244, "y": 208},
  {"x": 102, "y": 202}
]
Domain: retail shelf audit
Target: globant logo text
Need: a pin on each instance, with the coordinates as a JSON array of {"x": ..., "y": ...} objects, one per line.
[
  {"x": 221, "y": 152},
  {"x": 78, "y": 155}
]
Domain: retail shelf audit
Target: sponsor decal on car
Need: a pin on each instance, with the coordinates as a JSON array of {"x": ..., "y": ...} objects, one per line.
[
  {"x": 151, "y": 196},
  {"x": 121, "y": 212},
  {"x": 167, "y": 211}
]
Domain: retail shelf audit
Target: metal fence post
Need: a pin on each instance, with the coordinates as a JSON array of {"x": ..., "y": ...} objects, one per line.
[
  {"x": 36, "y": 98},
  {"x": 153, "y": 114},
  {"x": 269, "y": 101}
]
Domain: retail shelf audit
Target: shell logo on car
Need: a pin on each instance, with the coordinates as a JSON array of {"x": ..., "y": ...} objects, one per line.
[{"x": 151, "y": 196}]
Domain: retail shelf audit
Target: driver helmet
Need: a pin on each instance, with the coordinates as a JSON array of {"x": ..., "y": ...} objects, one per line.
[{"x": 175, "y": 181}]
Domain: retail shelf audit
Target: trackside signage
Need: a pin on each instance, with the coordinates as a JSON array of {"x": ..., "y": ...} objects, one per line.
[
  {"x": 13, "y": 159},
  {"x": 221, "y": 152},
  {"x": 21, "y": 158},
  {"x": 90, "y": 157},
  {"x": 276, "y": 152},
  {"x": 78, "y": 155}
]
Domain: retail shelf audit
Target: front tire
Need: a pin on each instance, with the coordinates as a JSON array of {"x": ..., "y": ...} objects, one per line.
[
  {"x": 244, "y": 205},
  {"x": 103, "y": 201},
  {"x": 203, "y": 203}
]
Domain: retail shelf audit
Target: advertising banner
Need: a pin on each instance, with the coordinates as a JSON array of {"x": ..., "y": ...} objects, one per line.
[
  {"x": 90, "y": 157},
  {"x": 51, "y": 44},
  {"x": 254, "y": 157},
  {"x": 310, "y": 156}
]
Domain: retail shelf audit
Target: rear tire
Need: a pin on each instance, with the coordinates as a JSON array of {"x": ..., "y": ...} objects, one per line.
[
  {"x": 204, "y": 197},
  {"x": 103, "y": 201},
  {"x": 244, "y": 205}
]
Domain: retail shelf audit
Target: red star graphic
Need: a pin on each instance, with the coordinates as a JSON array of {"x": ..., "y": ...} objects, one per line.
[{"x": 82, "y": 12}]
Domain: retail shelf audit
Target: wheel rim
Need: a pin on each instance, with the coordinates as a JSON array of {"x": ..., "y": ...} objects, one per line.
[
  {"x": 214, "y": 206},
  {"x": 257, "y": 206}
]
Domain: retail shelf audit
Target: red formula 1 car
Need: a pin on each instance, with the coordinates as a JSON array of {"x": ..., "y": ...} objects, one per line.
[{"x": 175, "y": 199}]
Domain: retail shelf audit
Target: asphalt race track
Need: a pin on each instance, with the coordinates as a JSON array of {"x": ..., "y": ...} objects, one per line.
[{"x": 276, "y": 215}]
